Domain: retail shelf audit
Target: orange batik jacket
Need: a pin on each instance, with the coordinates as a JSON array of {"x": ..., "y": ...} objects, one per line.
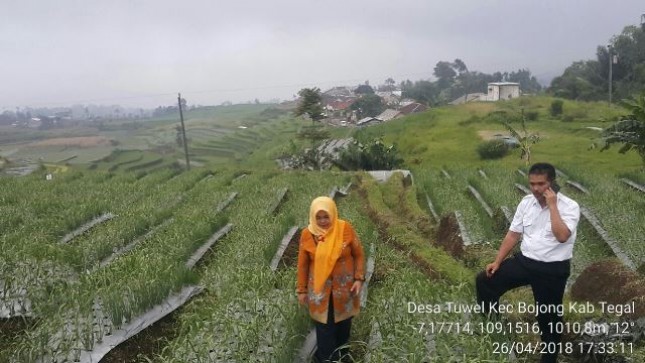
[{"x": 349, "y": 267}]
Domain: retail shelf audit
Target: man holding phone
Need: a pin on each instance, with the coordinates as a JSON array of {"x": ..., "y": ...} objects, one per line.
[{"x": 547, "y": 221}]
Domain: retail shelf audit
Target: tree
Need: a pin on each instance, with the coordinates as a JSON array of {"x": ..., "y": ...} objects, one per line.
[
  {"x": 525, "y": 138},
  {"x": 580, "y": 81},
  {"x": 460, "y": 66},
  {"x": 587, "y": 80},
  {"x": 368, "y": 105},
  {"x": 528, "y": 83},
  {"x": 445, "y": 73},
  {"x": 364, "y": 89},
  {"x": 425, "y": 92},
  {"x": 630, "y": 130},
  {"x": 310, "y": 104}
]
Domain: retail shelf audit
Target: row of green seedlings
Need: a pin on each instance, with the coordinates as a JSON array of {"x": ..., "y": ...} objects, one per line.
[
  {"x": 597, "y": 224},
  {"x": 18, "y": 289},
  {"x": 415, "y": 337},
  {"x": 14, "y": 301},
  {"x": 173, "y": 302},
  {"x": 103, "y": 264},
  {"x": 167, "y": 307},
  {"x": 28, "y": 201},
  {"x": 613, "y": 208},
  {"x": 375, "y": 340},
  {"x": 59, "y": 206},
  {"x": 157, "y": 312},
  {"x": 633, "y": 184},
  {"x": 463, "y": 229},
  {"x": 112, "y": 306},
  {"x": 250, "y": 312},
  {"x": 134, "y": 325},
  {"x": 138, "y": 217}
]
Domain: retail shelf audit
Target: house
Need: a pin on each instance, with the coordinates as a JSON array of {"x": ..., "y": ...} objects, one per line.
[
  {"x": 502, "y": 91},
  {"x": 389, "y": 114},
  {"x": 406, "y": 101},
  {"x": 339, "y": 104},
  {"x": 366, "y": 121},
  {"x": 413, "y": 108},
  {"x": 34, "y": 123},
  {"x": 339, "y": 92},
  {"x": 496, "y": 91},
  {"x": 390, "y": 97}
]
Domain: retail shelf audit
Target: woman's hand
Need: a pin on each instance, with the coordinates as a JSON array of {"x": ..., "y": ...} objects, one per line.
[
  {"x": 356, "y": 287},
  {"x": 303, "y": 299}
]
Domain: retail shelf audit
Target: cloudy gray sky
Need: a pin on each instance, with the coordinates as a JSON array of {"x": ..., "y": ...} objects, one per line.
[{"x": 142, "y": 52}]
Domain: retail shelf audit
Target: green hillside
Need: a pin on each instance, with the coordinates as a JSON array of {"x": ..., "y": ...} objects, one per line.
[{"x": 87, "y": 254}]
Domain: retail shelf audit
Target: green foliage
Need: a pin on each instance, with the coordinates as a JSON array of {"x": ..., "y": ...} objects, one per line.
[
  {"x": 371, "y": 155},
  {"x": 588, "y": 80},
  {"x": 556, "y": 108},
  {"x": 492, "y": 149},
  {"x": 528, "y": 83},
  {"x": 525, "y": 138},
  {"x": 580, "y": 81},
  {"x": 455, "y": 80},
  {"x": 532, "y": 115},
  {"x": 368, "y": 105},
  {"x": 313, "y": 133},
  {"x": 364, "y": 89},
  {"x": 630, "y": 130},
  {"x": 273, "y": 113},
  {"x": 310, "y": 104}
]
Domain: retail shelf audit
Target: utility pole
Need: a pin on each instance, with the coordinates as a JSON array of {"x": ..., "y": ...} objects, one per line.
[
  {"x": 611, "y": 62},
  {"x": 183, "y": 131}
]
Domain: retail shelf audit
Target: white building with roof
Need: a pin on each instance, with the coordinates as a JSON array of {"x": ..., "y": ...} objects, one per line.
[{"x": 502, "y": 91}]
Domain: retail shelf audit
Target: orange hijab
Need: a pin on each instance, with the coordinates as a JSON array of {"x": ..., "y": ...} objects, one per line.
[{"x": 329, "y": 248}]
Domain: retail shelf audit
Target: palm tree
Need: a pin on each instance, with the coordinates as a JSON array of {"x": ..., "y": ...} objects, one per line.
[
  {"x": 526, "y": 139},
  {"x": 629, "y": 130}
]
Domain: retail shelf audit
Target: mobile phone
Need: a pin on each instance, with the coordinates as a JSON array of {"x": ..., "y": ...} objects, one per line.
[{"x": 555, "y": 186}]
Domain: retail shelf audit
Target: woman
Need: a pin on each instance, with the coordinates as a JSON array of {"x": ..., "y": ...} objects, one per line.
[{"x": 331, "y": 267}]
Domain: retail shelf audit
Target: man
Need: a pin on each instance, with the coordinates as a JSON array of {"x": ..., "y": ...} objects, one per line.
[{"x": 547, "y": 221}]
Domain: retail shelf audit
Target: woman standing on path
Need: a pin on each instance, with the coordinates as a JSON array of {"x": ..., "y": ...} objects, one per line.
[{"x": 331, "y": 271}]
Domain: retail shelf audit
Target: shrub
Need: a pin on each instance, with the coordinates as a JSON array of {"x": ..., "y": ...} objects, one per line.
[
  {"x": 492, "y": 149},
  {"x": 556, "y": 108},
  {"x": 371, "y": 155},
  {"x": 532, "y": 115}
]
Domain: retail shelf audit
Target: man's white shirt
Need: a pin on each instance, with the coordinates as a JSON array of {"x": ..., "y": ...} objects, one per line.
[{"x": 534, "y": 222}]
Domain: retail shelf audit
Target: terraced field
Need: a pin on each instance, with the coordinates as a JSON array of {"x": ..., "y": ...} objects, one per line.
[{"x": 165, "y": 266}]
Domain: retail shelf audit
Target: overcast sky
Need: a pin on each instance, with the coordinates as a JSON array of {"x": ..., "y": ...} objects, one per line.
[{"x": 141, "y": 52}]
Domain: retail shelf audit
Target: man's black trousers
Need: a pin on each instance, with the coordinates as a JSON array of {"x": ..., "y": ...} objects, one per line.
[{"x": 547, "y": 280}]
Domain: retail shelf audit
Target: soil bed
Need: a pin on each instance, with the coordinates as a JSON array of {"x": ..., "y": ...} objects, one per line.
[
  {"x": 148, "y": 343},
  {"x": 12, "y": 328},
  {"x": 448, "y": 236},
  {"x": 290, "y": 255}
]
